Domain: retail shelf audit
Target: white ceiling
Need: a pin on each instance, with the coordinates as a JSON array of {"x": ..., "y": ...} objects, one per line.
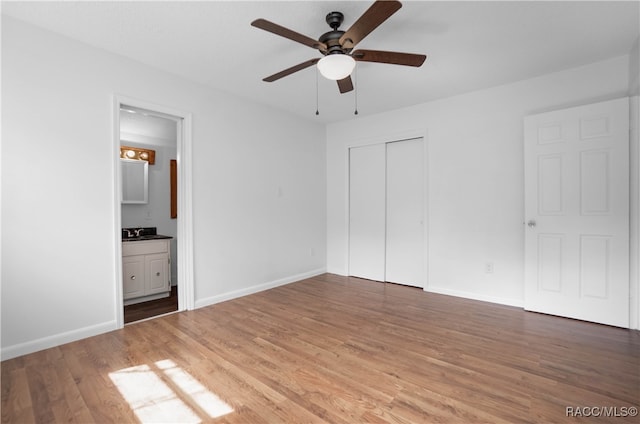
[{"x": 469, "y": 45}]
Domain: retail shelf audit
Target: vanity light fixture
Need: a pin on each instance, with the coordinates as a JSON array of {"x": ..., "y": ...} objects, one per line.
[{"x": 138, "y": 153}]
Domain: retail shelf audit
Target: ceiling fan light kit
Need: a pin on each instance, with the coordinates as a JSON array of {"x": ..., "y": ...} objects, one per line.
[
  {"x": 336, "y": 46},
  {"x": 336, "y": 66}
]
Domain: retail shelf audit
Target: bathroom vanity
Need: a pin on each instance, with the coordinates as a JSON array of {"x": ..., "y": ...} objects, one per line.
[{"x": 146, "y": 260}]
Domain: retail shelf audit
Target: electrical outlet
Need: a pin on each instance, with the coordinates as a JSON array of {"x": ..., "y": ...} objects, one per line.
[
  {"x": 488, "y": 268},
  {"x": 312, "y": 252}
]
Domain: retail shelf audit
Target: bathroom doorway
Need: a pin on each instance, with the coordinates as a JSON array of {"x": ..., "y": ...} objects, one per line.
[{"x": 154, "y": 262}]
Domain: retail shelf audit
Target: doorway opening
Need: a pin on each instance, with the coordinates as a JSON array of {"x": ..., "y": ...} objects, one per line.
[{"x": 153, "y": 209}]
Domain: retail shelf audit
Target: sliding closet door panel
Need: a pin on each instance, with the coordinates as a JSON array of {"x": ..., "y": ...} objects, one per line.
[
  {"x": 367, "y": 212},
  {"x": 405, "y": 212}
]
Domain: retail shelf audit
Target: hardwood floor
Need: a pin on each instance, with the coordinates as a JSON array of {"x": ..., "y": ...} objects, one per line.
[
  {"x": 334, "y": 349},
  {"x": 152, "y": 308}
]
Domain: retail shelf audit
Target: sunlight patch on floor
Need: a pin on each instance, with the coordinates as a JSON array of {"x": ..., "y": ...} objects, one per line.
[
  {"x": 153, "y": 400},
  {"x": 209, "y": 402}
]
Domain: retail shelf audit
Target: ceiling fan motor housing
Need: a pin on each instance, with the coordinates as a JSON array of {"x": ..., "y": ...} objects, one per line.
[{"x": 332, "y": 38}]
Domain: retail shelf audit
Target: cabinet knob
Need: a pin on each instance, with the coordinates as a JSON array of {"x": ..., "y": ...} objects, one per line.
[
  {"x": 157, "y": 274},
  {"x": 133, "y": 277}
]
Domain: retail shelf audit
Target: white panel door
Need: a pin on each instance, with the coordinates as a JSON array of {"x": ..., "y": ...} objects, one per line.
[
  {"x": 367, "y": 212},
  {"x": 577, "y": 212},
  {"x": 405, "y": 213}
]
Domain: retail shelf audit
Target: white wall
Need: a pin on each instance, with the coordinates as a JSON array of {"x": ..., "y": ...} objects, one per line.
[
  {"x": 634, "y": 69},
  {"x": 258, "y": 187},
  {"x": 475, "y": 175},
  {"x": 634, "y": 209},
  {"x": 634, "y": 186}
]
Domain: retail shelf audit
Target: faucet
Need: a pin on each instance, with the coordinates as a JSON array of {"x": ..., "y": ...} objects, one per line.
[{"x": 139, "y": 232}]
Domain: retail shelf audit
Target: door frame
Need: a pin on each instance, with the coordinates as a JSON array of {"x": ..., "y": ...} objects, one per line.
[
  {"x": 384, "y": 139},
  {"x": 186, "y": 285}
]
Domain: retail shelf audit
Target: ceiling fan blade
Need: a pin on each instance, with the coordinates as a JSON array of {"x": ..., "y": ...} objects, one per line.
[
  {"x": 379, "y": 12},
  {"x": 287, "y": 33},
  {"x": 345, "y": 85},
  {"x": 291, "y": 70},
  {"x": 396, "y": 58}
]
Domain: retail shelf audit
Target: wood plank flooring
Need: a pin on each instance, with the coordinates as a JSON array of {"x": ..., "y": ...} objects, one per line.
[
  {"x": 152, "y": 308},
  {"x": 338, "y": 350}
]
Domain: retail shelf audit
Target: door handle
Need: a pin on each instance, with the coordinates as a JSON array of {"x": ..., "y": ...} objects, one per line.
[{"x": 531, "y": 223}]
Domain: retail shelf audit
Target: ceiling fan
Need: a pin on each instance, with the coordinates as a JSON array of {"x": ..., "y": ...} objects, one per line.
[{"x": 337, "y": 46}]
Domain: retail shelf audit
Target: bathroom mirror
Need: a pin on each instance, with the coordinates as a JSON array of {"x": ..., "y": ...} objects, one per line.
[{"x": 135, "y": 181}]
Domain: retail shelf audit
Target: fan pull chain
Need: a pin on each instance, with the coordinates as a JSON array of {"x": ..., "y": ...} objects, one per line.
[
  {"x": 317, "y": 112},
  {"x": 356, "y": 90}
]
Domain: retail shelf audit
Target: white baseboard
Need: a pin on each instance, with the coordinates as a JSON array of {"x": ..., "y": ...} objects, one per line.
[
  {"x": 257, "y": 288},
  {"x": 475, "y": 296},
  {"x": 56, "y": 340}
]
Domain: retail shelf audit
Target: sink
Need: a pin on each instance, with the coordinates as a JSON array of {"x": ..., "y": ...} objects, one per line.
[{"x": 142, "y": 233}]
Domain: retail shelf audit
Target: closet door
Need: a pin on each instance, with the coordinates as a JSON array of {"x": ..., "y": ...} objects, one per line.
[
  {"x": 405, "y": 213},
  {"x": 367, "y": 212}
]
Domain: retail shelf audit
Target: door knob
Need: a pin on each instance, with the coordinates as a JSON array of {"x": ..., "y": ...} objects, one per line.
[{"x": 531, "y": 223}]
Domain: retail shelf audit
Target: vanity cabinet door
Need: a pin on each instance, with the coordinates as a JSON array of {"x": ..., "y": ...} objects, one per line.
[
  {"x": 133, "y": 276},
  {"x": 157, "y": 267}
]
